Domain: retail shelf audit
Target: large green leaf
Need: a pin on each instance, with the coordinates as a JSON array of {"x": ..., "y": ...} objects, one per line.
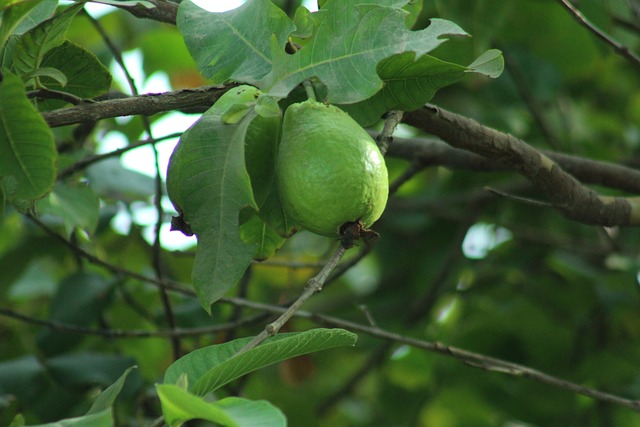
[
  {"x": 350, "y": 40},
  {"x": 179, "y": 406},
  {"x": 208, "y": 183},
  {"x": 35, "y": 43},
  {"x": 410, "y": 83},
  {"x": 233, "y": 45},
  {"x": 209, "y": 368},
  {"x": 27, "y": 150}
]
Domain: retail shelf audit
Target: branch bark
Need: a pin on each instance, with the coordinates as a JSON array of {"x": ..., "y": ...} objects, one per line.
[
  {"x": 566, "y": 193},
  {"x": 198, "y": 99}
]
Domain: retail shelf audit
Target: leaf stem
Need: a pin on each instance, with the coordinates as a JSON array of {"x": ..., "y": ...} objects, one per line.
[
  {"x": 313, "y": 286},
  {"x": 308, "y": 87}
]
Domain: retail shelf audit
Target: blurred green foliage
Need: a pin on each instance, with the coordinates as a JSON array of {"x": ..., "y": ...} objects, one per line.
[{"x": 557, "y": 296}]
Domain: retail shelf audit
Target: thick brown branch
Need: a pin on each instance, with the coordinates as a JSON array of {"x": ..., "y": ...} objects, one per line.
[
  {"x": 436, "y": 152},
  {"x": 568, "y": 195},
  {"x": 146, "y": 105}
]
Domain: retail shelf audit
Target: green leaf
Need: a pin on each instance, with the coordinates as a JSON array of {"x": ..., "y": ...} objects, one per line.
[
  {"x": 490, "y": 63},
  {"x": 108, "y": 178},
  {"x": 179, "y": 406},
  {"x": 86, "y": 77},
  {"x": 76, "y": 204},
  {"x": 20, "y": 17},
  {"x": 100, "y": 414},
  {"x": 99, "y": 419},
  {"x": 27, "y": 150},
  {"x": 210, "y": 368},
  {"x": 89, "y": 294},
  {"x": 266, "y": 239},
  {"x": 107, "y": 398},
  {"x": 410, "y": 83},
  {"x": 351, "y": 40},
  {"x": 233, "y": 45},
  {"x": 304, "y": 23},
  {"x": 209, "y": 186},
  {"x": 51, "y": 73},
  {"x": 34, "y": 44}
]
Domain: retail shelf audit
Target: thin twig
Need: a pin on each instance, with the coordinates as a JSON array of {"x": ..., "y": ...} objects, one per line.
[
  {"x": 391, "y": 122},
  {"x": 45, "y": 93},
  {"x": 313, "y": 286},
  {"x": 120, "y": 333},
  {"x": 618, "y": 47},
  {"x": 470, "y": 358},
  {"x": 525, "y": 200},
  {"x": 87, "y": 161}
]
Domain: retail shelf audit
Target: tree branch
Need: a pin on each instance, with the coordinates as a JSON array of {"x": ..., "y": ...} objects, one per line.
[
  {"x": 470, "y": 358},
  {"x": 568, "y": 195},
  {"x": 313, "y": 286},
  {"x": 436, "y": 152},
  {"x": 198, "y": 99},
  {"x": 618, "y": 47},
  {"x": 176, "y": 332}
]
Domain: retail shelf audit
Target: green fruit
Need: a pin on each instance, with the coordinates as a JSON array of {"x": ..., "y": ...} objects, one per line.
[{"x": 329, "y": 170}]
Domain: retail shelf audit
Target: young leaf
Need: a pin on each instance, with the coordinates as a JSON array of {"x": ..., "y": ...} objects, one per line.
[
  {"x": 350, "y": 40},
  {"x": 210, "y": 368},
  {"x": 267, "y": 240},
  {"x": 179, "y": 406},
  {"x": 27, "y": 149},
  {"x": 490, "y": 63},
  {"x": 34, "y": 44},
  {"x": 233, "y": 45}
]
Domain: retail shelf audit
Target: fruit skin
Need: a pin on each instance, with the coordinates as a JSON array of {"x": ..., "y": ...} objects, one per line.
[{"x": 329, "y": 170}]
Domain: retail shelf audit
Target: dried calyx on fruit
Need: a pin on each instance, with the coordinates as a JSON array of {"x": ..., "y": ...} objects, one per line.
[{"x": 329, "y": 170}]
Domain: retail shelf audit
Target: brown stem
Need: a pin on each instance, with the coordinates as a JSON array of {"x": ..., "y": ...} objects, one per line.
[{"x": 567, "y": 194}]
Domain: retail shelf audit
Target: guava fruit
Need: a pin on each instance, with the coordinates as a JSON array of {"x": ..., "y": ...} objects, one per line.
[{"x": 329, "y": 171}]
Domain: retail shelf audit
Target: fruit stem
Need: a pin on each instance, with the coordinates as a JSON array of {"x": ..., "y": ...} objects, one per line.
[{"x": 308, "y": 87}]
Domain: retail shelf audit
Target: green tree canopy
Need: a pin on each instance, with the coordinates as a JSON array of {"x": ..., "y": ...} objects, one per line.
[{"x": 150, "y": 274}]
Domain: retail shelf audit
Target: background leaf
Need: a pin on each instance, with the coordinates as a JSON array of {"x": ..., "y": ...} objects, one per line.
[
  {"x": 35, "y": 43},
  {"x": 75, "y": 204},
  {"x": 367, "y": 34},
  {"x": 233, "y": 45},
  {"x": 86, "y": 77},
  {"x": 27, "y": 150},
  {"x": 179, "y": 405},
  {"x": 89, "y": 294},
  {"x": 20, "y": 17},
  {"x": 210, "y": 368}
]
